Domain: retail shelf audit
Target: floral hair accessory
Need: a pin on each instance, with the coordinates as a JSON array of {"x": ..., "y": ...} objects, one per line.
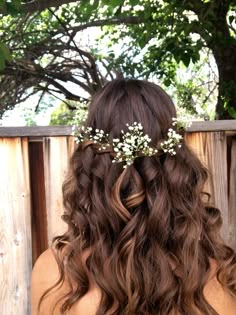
[
  {"x": 85, "y": 134},
  {"x": 132, "y": 144},
  {"x": 173, "y": 140}
]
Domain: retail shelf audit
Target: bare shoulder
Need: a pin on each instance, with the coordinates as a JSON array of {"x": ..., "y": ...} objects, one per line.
[
  {"x": 218, "y": 297},
  {"x": 45, "y": 266},
  {"x": 44, "y": 275}
]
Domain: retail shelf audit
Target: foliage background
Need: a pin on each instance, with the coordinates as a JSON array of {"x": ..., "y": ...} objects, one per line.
[{"x": 188, "y": 47}]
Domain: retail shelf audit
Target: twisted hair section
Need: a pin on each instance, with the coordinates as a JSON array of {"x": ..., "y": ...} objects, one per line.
[{"x": 146, "y": 232}]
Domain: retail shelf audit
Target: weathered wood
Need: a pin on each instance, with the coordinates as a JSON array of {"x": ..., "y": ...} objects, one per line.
[
  {"x": 15, "y": 227},
  {"x": 49, "y": 131},
  {"x": 38, "y": 131},
  {"x": 56, "y": 153},
  {"x": 232, "y": 196},
  {"x": 38, "y": 200},
  {"x": 211, "y": 148},
  {"x": 215, "y": 125}
]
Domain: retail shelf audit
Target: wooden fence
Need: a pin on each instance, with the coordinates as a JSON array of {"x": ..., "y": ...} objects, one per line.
[{"x": 33, "y": 162}]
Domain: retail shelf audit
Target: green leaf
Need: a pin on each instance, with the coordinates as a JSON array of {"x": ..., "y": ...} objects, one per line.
[
  {"x": 134, "y": 2},
  {"x": 113, "y": 3},
  {"x": 17, "y": 5},
  {"x": 186, "y": 60},
  {"x": 3, "y": 7},
  {"x": 5, "y": 52},
  {"x": 14, "y": 7},
  {"x": 5, "y": 55},
  {"x": 2, "y": 63},
  {"x": 231, "y": 19},
  {"x": 195, "y": 56},
  {"x": 232, "y": 112},
  {"x": 95, "y": 5}
]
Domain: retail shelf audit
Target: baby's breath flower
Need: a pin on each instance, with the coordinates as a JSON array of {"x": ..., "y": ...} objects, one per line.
[
  {"x": 173, "y": 140},
  {"x": 131, "y": 144}
]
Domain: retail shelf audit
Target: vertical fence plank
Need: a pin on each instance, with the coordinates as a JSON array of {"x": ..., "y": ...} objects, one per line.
[
  {"x": 232, "y": 196},
  {"x": 57, "y": 150},
  {"x": 15, "y": 227},
  {"x": 38, "y": 199},
  {"x": 211, "y": 148}
]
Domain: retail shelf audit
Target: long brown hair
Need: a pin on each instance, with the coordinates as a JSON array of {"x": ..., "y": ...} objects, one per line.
[{"x": 148, "y": 229}]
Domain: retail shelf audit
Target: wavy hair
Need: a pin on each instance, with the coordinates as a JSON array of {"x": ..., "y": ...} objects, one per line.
[{"x": 148, "y": 230}]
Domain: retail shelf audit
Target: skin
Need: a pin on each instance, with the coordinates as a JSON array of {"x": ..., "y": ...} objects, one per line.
[{"x": 45, "y": 274}]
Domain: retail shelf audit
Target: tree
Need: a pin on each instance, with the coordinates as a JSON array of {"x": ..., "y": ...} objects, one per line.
[
  {"x": 157, "y": 36},
  {"x": 39, "y": 53},
  {"x": 177, "y": 31},
  {"x": 63, "y": 116}
]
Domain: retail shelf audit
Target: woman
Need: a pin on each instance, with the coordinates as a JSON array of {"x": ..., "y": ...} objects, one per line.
[{"x": 142, "y": 238}]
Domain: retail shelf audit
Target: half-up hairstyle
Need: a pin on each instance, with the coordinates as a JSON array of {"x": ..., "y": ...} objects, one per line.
[{"x": 147, "y": 231}]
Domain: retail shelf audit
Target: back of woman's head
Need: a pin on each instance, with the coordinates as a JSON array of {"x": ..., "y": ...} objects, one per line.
[
  {"x": 146, "y": 229},
  {"x": 126, "y": 101}
]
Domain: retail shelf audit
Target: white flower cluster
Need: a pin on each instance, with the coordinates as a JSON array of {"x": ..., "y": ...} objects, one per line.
[
  {"x": 173, "y": 140},
  {"x": 133, "y": 143},
  {"x": 100, "y": 137}
]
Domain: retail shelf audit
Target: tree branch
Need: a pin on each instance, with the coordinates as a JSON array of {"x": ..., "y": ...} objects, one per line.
[
  {"x": 50, "y": 91},
  {"x": 127, "y": 20},
  {"x": 71, "y": 38},
  {"x": 41, "y": 97},
  {"x": 63, "y": 90}
]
